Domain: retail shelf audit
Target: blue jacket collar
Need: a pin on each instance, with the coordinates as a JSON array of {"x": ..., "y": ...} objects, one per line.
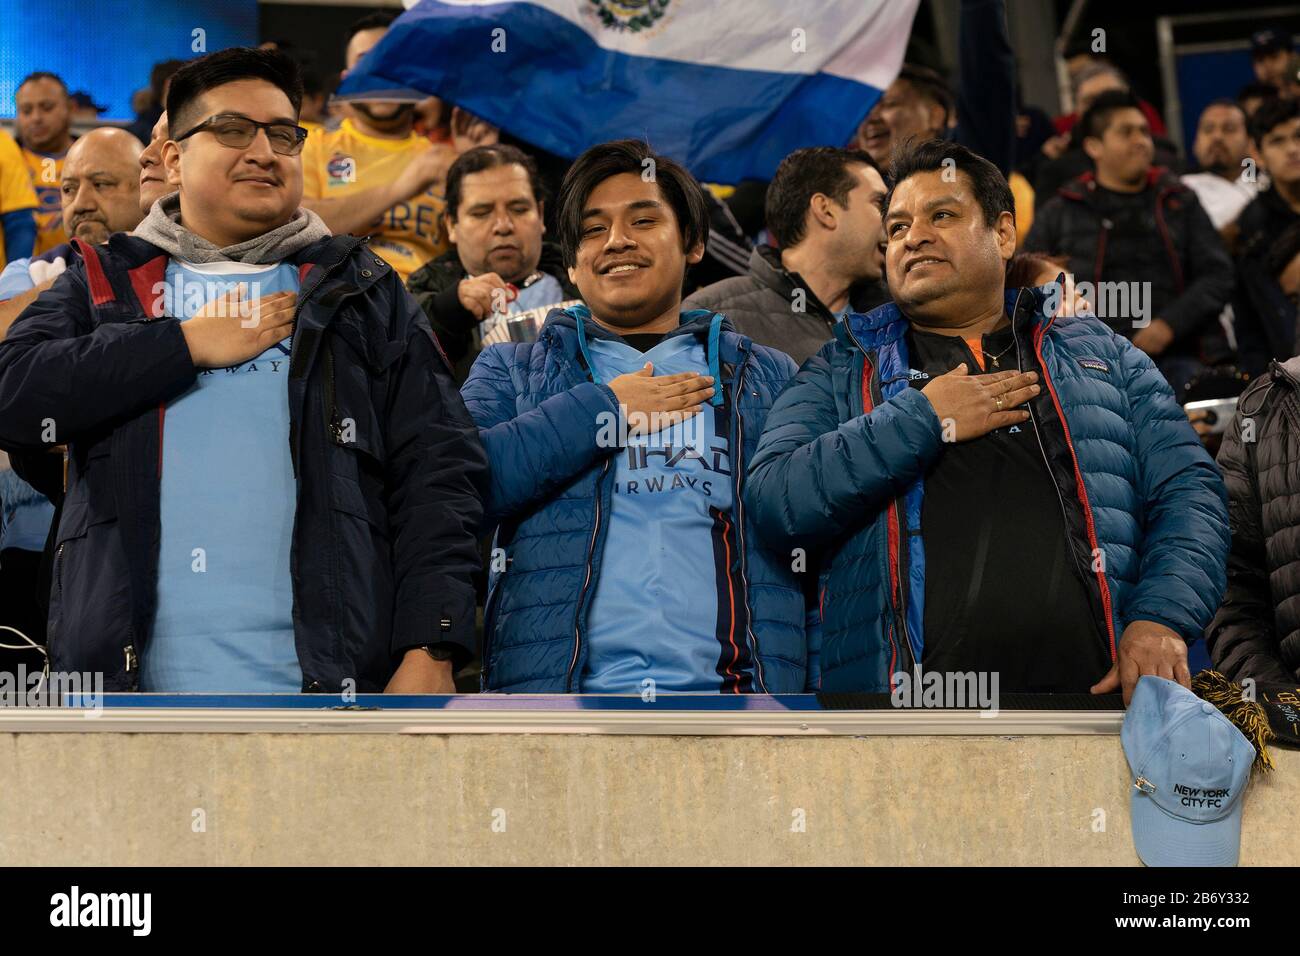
[
  {"x": 887, "y": 324},
  {"x": 732, "y": 345}
]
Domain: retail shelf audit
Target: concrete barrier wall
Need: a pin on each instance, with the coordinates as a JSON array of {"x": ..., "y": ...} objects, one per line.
[{"x": 428, "y": 798}]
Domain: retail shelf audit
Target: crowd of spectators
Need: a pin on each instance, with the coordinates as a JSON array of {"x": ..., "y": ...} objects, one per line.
[{"x": 843, "y": 418}]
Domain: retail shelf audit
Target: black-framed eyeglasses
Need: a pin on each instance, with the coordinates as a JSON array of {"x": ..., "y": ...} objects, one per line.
[{"x": 238, "y": 132}]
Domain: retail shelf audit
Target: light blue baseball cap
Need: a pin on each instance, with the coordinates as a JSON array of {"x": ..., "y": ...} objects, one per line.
[{"x": 1190, "y": 768}]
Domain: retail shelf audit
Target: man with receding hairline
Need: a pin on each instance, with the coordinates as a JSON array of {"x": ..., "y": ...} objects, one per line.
[
  {"x": 991, "y": 487},
  {"x": 100, "y": 196}
]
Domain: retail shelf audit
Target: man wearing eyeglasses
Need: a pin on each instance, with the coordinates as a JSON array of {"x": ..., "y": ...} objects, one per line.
[{"x": 273, "y": 485}]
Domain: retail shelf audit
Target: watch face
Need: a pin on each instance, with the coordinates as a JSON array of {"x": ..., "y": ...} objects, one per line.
[{"x": 438, "y": 653}]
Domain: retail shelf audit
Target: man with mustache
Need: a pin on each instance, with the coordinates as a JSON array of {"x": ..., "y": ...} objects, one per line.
[
  {"x": 1226, "y": 182},
  {"x": 624, "y": 561},
  {"x": 375, "y": 175},
  {"x": 100, "y": 194},
  {"x": 499, "y": 264},
  {"x": 273, "y": 485},
  {"x": 989, "y": 487}
]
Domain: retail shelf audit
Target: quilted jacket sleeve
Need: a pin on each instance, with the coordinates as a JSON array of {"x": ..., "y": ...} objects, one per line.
[
  {"x": 1185, "y": 544},
  {"x": 814, "y": 478},
  {"x": 533, "y": 453},
  {"x": 1242, "y": 638}
]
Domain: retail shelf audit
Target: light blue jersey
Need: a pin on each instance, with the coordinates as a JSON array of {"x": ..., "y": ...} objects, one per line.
[
  {"x": 654, "y": 614},
  {"x": 545, "y": 291},
  {"x": 225, "y": 600}
]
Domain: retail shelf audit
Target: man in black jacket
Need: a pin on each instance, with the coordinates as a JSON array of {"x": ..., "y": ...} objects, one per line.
[
  {"x": 1256, "y": 632},
  {"x": 823, "y": 212},
  {"x": 1157, "y": 269},
  {"x": 245, "y": 510},
  {"x": 499, "y": 267},
  {"x": 1275, "y": 128},
  {"x": 1265, "y": 318}
]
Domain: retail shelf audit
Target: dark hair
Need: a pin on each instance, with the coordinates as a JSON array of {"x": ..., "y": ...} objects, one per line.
[
  {"x": 931, "y": 85},
  {"x": 801, "y": 175},
  {"x": 489, "y": 157},
  {"x": 1226, "y": 102},
  {"x": 313, "y": 84},
  {"x": 1271, "y": 114},
  {"x": 1265, "y": 91},
  {"x": 42, "y": 75},
  {"x": 1097, "y": 119},
  {"x": 991, "y": 189},
  {"x": 1023, "y": 268},
  {"x": 226, "y": 66},
  {"x": 601, "y": 162},
  {"x": 161, "y": 72},
  {"x": 379, "y": 20},
  {"x": 1080, "y": 45},
  {"x": 1285, "y": 248}
]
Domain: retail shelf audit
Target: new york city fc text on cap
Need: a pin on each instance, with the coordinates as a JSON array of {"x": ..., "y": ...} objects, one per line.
[{"x": 1190, "y": 769}]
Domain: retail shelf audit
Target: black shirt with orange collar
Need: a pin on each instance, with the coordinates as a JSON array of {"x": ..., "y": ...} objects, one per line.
[{"x": 1001, "y": 592}]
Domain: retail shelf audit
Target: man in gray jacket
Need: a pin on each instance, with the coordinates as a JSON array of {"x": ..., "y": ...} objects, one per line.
[{"x": 823, "y": 213}]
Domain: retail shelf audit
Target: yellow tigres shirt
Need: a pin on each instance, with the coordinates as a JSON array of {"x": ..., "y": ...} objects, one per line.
[
  {"x": 15, "y": 184},
  {"x": 345, "y": 160},
  {"x": 47, "y": 175}
]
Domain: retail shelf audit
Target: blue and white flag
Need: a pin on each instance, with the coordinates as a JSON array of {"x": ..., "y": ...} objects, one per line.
[{"x": 726, "y": 87}]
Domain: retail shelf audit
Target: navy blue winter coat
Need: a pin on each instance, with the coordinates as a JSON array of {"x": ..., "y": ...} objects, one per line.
[{"x": 387, "y": 511}]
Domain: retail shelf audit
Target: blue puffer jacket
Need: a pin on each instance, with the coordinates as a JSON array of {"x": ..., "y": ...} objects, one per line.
[
  {"x": 840, "y": 469},
  {"x": 539, "y": 415}
]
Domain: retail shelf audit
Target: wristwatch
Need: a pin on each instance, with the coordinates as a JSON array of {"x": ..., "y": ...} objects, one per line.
[{"x": 440, "y": 652}]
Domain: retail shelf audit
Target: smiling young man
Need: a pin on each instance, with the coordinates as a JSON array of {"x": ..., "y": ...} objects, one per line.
[
  {"x": 990, "y": 489},
  {"x": 272, "y": 483},
  {"x": 624, "y": 561}
]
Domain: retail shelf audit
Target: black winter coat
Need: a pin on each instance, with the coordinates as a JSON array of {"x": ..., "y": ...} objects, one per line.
[
  {"x": 1256, "y": 632},
  {"x": 386, "y": 513},
  {"x": 436, "y": 286},
  {"x": 1178, "y": 252}
]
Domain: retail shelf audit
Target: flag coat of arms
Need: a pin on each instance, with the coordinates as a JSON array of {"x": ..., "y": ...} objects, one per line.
[{"x": 726, "y": 87}]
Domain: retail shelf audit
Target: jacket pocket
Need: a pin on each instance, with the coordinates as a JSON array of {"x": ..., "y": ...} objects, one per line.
[
  {"x": 89, "y": 591},
  {"x": 347, "y": 497}
]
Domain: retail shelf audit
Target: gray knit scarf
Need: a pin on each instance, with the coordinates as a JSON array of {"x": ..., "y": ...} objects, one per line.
[{"x": 163, "y": 228}]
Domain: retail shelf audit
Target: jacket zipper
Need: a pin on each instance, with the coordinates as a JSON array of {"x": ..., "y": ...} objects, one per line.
[
  {"x": 332, "y": 423},
  {"x": 487, "y": 633},
  {"x": 1174, "y": 264},
  {"x": 303, "y": 296},
  {"x": 582, "y": 594},
  {"x": 892, "y": 535},
  {"x": 1078, "y": 475},
  {"x": 738, "y": 465}
]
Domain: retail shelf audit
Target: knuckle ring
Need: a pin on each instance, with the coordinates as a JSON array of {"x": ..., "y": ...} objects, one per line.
[{"x": 998, "y": 400}]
